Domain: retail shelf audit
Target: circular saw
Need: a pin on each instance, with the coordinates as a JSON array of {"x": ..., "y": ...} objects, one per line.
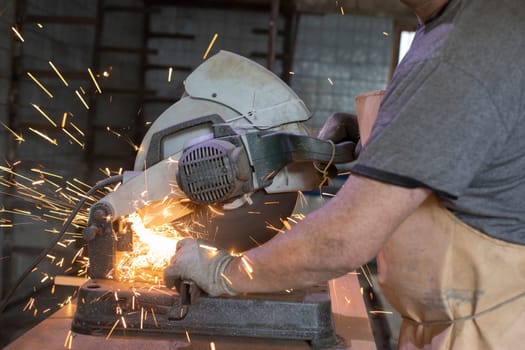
[{"x": 227, "y": 160}]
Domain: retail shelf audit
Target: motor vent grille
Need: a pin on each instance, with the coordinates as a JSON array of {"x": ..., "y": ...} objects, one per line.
[{"x": 206, "y": 173}]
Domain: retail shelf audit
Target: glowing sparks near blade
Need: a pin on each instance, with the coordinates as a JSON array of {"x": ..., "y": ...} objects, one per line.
[
  {"x": 40, "y": 84},
  {"x": 247, "y": 267},
  {"x": 58, "y": 73},
  {"x": 215, "y": 36},
  {"x": 45, "y": 137},
  {"x": 44, "y": 114},
  {"x": 152, "y": 250},
  {"x": 82, "y": 99},
  {"x": 17, "y": 33},
  {"x": 94, "y": 81},
  {"x": 170, "y": 73},
  {"x": 18, "y": 138}
]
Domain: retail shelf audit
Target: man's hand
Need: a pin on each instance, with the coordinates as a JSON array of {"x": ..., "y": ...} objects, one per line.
[
  {"x": 340, "y": 127},
  {"x": 205, "y": 265}
]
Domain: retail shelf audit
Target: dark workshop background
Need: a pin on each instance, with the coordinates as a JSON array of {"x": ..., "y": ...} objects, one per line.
[{"x": 327, "y": 51}]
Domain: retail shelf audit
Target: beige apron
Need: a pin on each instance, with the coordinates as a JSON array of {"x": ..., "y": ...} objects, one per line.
[{"x": 455, "y": 287}]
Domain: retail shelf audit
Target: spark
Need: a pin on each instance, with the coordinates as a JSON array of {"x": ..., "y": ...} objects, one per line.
[
  {"x": 124, "y": 322},
  {"x": 64, "y": 118},
  {"x": 247, "y": 266},
  {"x": 17, "y": 33},
  {"x": 366, "y": 276},
  {"x": 212, "y": 346},
  {"x": 41, "y": 172},
  {"x": 154, "y": 318},
  {"x": 113, "y": 328},
  {"x": 227, "y": 279},
  {"x": 18, "y": 138},
  {"x": 58, "y": 73},
  {"x": 207, "y": 247},
  {"x": 286, "y": 224},
  {"x": 82, "y": 99},
  {"x": 215, "y": 36},
  {"x": 291, "y": 73},
  {"x": 348, "y": 300},
  {"x": 44, "y": 114},
  {"x": 40, "y": 25},
  {"x": 141, "y": 318},
  {"x": 94, "y": 81},
  {"x": 105, "y": 74},
  {"x": 29, "y": 304},
  {"x": 53, "y": 287},
  {"x": 330, "y": 81},
  {"x": 67, "y": 338},
  {"x": 342, "y": 10},
  {"x": 76, "y": 128},
  {"x": 374, "y": 312},
  {"x": 170, "y": 72},
  {"x": 188, "y": 337},
  {"x": 386, "y": 34},
  {"x": 215, "y": 211},
  {"x": 326, "y": 194},
  {"x": 44, "y": 136},
  {"x": 73, "y": 138},
  {"x": 40, "y": 84}
]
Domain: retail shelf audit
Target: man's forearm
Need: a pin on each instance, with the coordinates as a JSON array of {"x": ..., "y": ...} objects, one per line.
[{"x": 339, "y": 237}]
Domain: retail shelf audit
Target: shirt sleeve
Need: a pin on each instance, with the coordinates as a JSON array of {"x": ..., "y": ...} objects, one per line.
[{"x": 437, "y": 128}]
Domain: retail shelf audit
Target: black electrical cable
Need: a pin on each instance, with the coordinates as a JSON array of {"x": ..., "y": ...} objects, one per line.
[{"x": 96, "y": 187}]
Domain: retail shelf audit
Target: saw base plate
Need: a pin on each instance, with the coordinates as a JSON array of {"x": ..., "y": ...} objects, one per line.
[{"x": 137, "y": 309}]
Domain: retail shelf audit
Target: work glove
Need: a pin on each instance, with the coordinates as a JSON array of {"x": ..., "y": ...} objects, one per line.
[
  {"x": 340, "y": 127},
  {"x": 201, "y": 263}
]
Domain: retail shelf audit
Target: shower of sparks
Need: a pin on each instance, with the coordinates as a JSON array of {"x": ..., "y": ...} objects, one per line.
[
  {"x": 151, "y": 253},
  {"x": 94, "y": 81},
  {"x": 330, "y": 81},
  {"x": 82, "y": 99},
  {"x": 170, "y": 73},
  {"x": 215, "y": 36},
  {"x": 58, "y": 73},
  {"x": 17, "y": 34},
  {"x": 40, "y": 84},
  {"x": 18, "y": 138},
  {"x": 44, "y": 114},
  {"x": 45, "y": 137}
]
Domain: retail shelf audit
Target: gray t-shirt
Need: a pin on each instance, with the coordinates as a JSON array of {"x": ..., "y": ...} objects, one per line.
[{"x": 453, "y": 116}]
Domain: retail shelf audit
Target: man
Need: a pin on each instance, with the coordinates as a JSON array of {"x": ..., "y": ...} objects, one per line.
[{"x": 450, "y": 133}]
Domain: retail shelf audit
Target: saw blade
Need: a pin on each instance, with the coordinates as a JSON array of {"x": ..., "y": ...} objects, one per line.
[{"x": 246, "y": 227}]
